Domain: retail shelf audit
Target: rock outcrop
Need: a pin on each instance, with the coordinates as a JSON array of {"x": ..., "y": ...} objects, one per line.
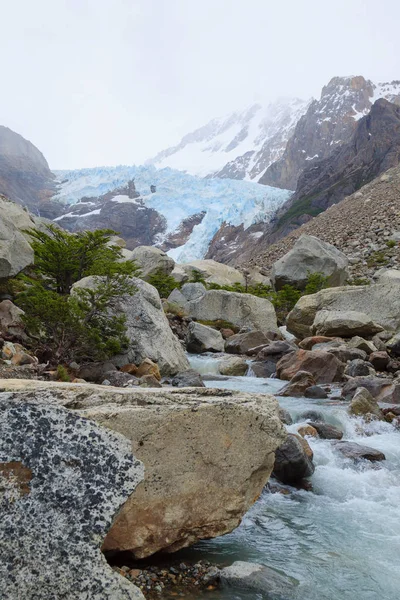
[
  {"x": 15, "y": 251},
  {"x": 310, "y": 255},
  {"x": 381, "y": 302},
  {"x": 147, "y": 329},
  {"x": 207, "y": 456},
  {"x": 25, "y": 176},
  {"x": 60, "y": 487}
]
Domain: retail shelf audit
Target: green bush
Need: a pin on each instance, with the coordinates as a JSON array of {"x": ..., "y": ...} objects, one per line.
[
  {"x": 61, "y": 326},
  {"x": 315, "y": 283},
  {"x": 62, "y": 374},
  {"x": 391, "y": 243},
  {"x": 197, "y": 277},
  {"x": 164, "y": 283}
]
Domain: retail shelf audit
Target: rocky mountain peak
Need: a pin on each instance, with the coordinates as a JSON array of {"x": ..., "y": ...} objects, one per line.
[{"x": 328, "y": 123}]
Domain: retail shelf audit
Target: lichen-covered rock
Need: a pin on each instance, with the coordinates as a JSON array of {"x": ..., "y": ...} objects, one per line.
[
  {"x": 207, "y": 456},
  {"x": 152, "y": 260},
  {"x": 15, "y": 251},
  {"x": 62, "y": 480}
]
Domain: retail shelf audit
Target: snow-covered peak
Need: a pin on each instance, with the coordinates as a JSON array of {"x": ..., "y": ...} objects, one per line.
[{"x": 240, "y": 145}]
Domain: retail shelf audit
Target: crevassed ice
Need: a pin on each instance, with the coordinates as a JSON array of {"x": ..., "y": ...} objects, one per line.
[{"x": 178, "y": 197}]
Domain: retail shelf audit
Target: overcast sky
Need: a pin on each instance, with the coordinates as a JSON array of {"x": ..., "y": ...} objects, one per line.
[{"x": 105, "y": 82}]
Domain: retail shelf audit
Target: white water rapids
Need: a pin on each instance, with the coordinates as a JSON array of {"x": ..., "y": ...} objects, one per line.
[{"x": 341, "y": 541}]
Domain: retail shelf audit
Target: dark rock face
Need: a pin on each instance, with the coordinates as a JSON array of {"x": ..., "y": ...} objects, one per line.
[
  {"x": 327, "y": 124},
  {"x": 181, "y": 236},
  {"x": 189, "y": 378},
  {"x": 136, "y": 223},
  {"x": 25, "y": 176},
  {"x": 358, "y": 452},
  {"x": 61, "y": 485},
  {"x": 327, "y": 432}
]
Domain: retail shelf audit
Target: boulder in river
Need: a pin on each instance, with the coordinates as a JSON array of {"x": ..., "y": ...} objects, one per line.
[
  {"x": 234, "y": 365},
  {"x": 207, "y": 455},
  {"x": 61, "y": 486},
  {"x": 357, "y": 451},
  {"x": 364, "y": 404},
  {"x": 258, "y": 579},
  {"x": 298, "y": 384},
  {"x": 201, "y": 338},
  {"x": 291, "y": 461},
  {"x": 382, "y": 390},
  {"x": 326, "y": 431},
  {"x": 242, "y": 343},
  {"x": 324, "y": 367},
  {"x": 189, "y": 378}
]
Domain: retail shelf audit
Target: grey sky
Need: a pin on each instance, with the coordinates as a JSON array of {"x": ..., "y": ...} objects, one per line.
[{"x": 96, "y": 82}]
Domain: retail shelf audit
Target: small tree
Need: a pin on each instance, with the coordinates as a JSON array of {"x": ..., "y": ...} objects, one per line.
[
  {"x": 78, "y": 326},
  {"x": 164, "y": 283}
]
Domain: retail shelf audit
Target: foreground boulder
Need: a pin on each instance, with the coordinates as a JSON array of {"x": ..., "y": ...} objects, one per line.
[
  {"x": 201, "y": 338},
  {"x": 323, "y": 366},
  {"x": 148, "y": 330},
  {"x": 381, "y": 302},
  {"x": 258, "y": 579},
  {"x": 241, "y": 310},
  {"x": 310, "y": 255},
  {"x": 60, "y": 488},
  {"x": 152, "y": 260},
  {"x": 207, "y": 456}
]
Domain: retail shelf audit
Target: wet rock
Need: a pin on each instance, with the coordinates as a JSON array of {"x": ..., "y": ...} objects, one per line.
[
  {"x": 297, "y": 385},
  {"x": 358, "y": 368},
  {"x": 189, "y": 378},
  {"x": 364, "y": 404},
  {"x": 234, "y": 365},
  {"x": 264, "y": 368},
  {"x": 324, "y": 367},
  {"x": 120, "y": 379},
  {"x": 57, "y": 504},
  {"x": 150, "y": 381},
  {"x": 316, "y": 392},
  {"x": 326, "y": 431},
  {"x": 242, "y": 343},
  {"x": 258, "y": 579},
  {"x": 312, "y": 415},
  {"x": 291, "y": 461},
  {"x": 201, "y": 338},
  {"x": 357, "y": 451},
  {"x": 307, "y": 430},
  {"x": 276, "y": 350},
  {"x": 285, "y": 416}
]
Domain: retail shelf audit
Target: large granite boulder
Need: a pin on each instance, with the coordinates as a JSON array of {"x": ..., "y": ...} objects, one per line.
[
  {"x": 147, "y": 329},
  {"x": 201, "y": 338},
  {"x": 203, "y": 468},
  {"x": 310, "y": 255},
  {"x": 323, "y": 366},
  {"x": 209, "y": 270},
  {"x": 15, "y": 251},
  {"x": 62, "y": 481},
  {"x": 238, "y": 309},
  {"x": 344, "y": 323},
  {"x": 381, "y": 302},
  {"x": 152, "y": 260}
]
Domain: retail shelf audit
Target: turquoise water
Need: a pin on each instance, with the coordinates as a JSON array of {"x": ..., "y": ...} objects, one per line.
[{"x": 341, "y": 541}]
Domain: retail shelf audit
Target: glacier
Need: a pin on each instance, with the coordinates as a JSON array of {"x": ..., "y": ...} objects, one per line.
[{"x": 178, "y": 196}]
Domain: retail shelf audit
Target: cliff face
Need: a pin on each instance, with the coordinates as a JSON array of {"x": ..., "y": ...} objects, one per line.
[
  {"x": 327, "y": 124},
  {"x": 25, "y": 176}
]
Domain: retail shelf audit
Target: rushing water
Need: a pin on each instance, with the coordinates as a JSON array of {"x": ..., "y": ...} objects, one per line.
[{"x": 341, "y": 541}]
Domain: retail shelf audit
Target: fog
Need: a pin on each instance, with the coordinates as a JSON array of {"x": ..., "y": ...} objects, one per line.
[{"x": 96, "y": 82}]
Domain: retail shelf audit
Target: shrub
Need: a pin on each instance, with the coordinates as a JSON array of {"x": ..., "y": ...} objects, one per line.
[
  {"x": 197, "y": 277},
  {"x": 164, "y": 283},
  {"x": 62, "y": 374},
  {"x": 358, "y": 281},
  {"x": 315, "y": 283},
  {"x": 391, "y": 243},
  {"x": 63, "y": 327}
]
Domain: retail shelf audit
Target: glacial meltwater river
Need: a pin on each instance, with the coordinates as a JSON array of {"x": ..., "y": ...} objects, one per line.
[{"x": 341, "y": 541}]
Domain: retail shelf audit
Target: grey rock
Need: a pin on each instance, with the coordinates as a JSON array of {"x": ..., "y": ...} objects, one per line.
[
  {"x": 326, "y": 431},
  {"x": 285, "y": 416},
  {"x": 152, "y": 260},
  {"x": 344, "y": 323},
  {"x": 242, "y": 343},
  {"x": 201, "y": 338},
  {"x": 235, "y": 365},
  {"x": 15, "y": 252},
  {"x": 60, "y": 488},
  {"x": 258, "y": 579},
  {"x": 364, "y": 404},
  {"x": 315, "y": 391},
  {"x": 382, "y": 390},
  {"x": 297, "y": 385},
  {"x": 120, "y": 379},
  {"x": 96, "y": 371},
  {"x": 357, "y": 451},
  {"x": 358, "y": 368},
  {"x": 264, "y": 368},
  {"x": 148, "y": 330},
  {"x": 189, "y": 378},
  {"x": 310, "y": 255}
]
